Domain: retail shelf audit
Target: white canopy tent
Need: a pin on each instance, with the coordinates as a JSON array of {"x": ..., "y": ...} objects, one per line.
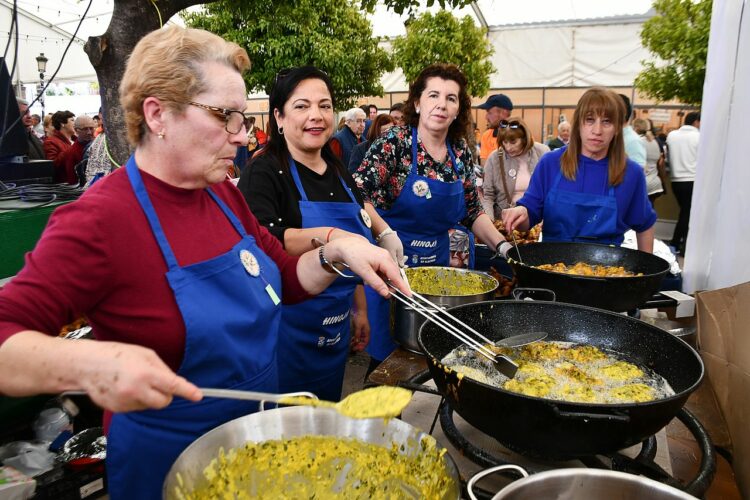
[
  {"x": 719, "y": 233},
  {"x": 39, "y": 35}
]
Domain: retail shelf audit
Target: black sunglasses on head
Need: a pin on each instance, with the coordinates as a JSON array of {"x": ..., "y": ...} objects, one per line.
[{"x": 513, "y": 124}]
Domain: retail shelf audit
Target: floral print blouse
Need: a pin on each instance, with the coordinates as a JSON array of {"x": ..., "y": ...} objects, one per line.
[{"x": 382, "y": 174}]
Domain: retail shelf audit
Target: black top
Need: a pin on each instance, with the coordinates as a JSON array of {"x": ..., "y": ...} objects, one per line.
[{"x": 273, "y": 198}]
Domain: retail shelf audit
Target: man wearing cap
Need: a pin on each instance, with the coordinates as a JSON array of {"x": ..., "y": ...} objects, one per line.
[{"x": 498, "y": 108}]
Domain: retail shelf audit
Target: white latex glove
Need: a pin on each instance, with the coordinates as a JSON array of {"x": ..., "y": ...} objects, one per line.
[
  {"x": 391, "y": 242},
  {"x": 502, "y": 250}
]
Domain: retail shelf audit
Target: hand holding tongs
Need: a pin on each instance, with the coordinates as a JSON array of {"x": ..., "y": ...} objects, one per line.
[{"x": 443, "y": 319}]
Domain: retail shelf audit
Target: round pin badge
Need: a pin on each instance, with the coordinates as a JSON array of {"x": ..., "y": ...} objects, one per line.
[
  {"x": 250, "y": 263},
  {"x": 365, "y": 218},
  {"x": 512, "y": 172},
  {"x": 420, "y": 188}
]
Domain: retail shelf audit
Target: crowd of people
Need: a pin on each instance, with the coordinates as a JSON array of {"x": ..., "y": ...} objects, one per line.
[
  {"x": 268, "y": 282},
  {"x": 76, "y": 145}
]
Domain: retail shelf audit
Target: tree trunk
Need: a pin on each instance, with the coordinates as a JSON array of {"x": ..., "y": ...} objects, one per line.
[{"x": 108, "y": 53}]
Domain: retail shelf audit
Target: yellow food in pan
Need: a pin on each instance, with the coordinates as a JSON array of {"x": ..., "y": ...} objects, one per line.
[
  {"x": 324, "y": 467},
  {"x": 584, "y": 269},
  {"x": 564, "y": 371}
]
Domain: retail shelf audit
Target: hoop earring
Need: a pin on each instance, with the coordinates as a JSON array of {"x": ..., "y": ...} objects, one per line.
[{"x": 281, "y": 130}]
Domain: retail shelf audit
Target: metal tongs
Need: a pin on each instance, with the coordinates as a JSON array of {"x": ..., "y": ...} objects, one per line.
[{"x": 451, "y": 324}]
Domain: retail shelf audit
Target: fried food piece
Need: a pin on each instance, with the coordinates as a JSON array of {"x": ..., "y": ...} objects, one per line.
[
  {"x": 573, "y": 372},
  {"x": 584, "y": 354},
  {"x": 530, "y": 369},
  {"x": 538, "y": 351},
  {"x": 533, "y": 386},
  {"x": 632, "y": 393},
  {"x": 622, "y": 370},
  {"x": 577, "y": 393}
]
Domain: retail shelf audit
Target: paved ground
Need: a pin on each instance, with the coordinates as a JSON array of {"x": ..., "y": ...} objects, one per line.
[{"x": 354, "y": 376}]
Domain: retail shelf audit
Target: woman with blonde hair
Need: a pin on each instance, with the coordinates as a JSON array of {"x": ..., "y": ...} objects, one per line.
[
  {"x": 508, "y": 169},
  {"x": 183, "y": 287},
  {"x": 589, "y": 191},
  {"x": 654, "y": 168}
]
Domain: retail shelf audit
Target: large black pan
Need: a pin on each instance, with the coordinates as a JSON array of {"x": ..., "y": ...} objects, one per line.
[
  {"x": 554, "y": 429},
  {"x": 614, "y": 294}
]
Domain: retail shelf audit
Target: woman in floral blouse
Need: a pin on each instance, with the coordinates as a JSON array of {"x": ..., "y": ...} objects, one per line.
[{"x": 420, "y": 179}]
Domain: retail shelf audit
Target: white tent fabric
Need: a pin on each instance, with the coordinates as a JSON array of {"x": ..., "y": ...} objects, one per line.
[
  {"x": 38, "y": 35},
  {"x": 576, "y": 54},
  {"x": 719, "y": 238}
]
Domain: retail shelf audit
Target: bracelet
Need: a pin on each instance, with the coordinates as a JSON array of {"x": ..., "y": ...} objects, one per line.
[
  {"x": 328, "y": 236},
  {"x": 385, "y": 232},
  {"x": 323, "y": 262}
]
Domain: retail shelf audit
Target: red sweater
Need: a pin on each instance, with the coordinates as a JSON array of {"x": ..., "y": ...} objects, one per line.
[
  {"x": 57, "y": 147},
  {"x": 98, "y": 257}
]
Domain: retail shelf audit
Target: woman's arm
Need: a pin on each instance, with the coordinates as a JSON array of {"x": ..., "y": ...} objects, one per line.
[
  {"x": 299, "y": 241},
  {"x": 485, "y": 230},
  {"x": 118, "y": 377},
  {"x": 645, "y": 240},
  {"x": 369, "y": 262}
]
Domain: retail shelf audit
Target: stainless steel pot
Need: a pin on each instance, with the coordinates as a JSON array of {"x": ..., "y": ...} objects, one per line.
[
  {"x": 572, "y": 484},
  {"x": 290, "y": 422},
  {"x": 405, "y": 321}
]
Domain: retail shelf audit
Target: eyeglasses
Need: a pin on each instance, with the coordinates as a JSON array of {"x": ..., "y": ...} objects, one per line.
[
  {"x": 513, "y": 124},
  {"x": 234, "y": 120}
]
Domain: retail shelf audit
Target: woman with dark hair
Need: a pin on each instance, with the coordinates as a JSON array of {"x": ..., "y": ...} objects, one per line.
[
  {"x": 589, "y": 191},
  {"x": 420, "y": 178},
  {"x": 57, "y": 146},
  {"x": 299, "y": 190},
  {"x": 509, "y": 168},
  {"x": 380, "y": 125}
]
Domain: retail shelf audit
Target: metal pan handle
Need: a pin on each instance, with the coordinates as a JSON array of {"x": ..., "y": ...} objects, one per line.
[
  {"x": 580, "y": 415},
  {"x": 479, "y": 475},
  {"x": 521, "y": 293}
]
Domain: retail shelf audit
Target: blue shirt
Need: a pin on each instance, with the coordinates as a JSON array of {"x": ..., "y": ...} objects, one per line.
[
  {"x": 634, "y": 211},
  {"x": 634, "y": 147}
]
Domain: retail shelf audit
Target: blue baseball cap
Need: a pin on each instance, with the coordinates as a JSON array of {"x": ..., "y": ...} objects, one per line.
[{"x": 498, "y": 101}]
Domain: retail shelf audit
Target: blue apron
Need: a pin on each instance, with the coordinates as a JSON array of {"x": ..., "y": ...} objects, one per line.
[
  {"x": 231, "y": 330},
  {"x": 422, "y": 215},
  {"x": 314, "y": 335},
  {"x": 580, "y": 217}
]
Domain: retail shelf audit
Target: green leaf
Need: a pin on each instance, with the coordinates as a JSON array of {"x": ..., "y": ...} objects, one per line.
[
  {"x": 678, "y": 35},
  {"x": 444, "y": 38}
]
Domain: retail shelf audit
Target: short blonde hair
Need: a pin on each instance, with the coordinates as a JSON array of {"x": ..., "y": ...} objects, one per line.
[{"x": 166, "y": 64}]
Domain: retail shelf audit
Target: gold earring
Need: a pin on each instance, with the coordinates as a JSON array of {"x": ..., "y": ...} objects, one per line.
[{"x": 160, "y": 135}]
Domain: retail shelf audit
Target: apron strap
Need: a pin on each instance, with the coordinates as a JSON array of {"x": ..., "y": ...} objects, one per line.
[
  {"x": 298, "y": 182},
  {"x": 136, "y": 182}
]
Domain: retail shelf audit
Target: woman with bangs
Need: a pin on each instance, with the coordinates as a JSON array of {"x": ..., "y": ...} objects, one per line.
[
  {"x": 589, "y": 192},
  {"x": 508, "y": 169}
]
